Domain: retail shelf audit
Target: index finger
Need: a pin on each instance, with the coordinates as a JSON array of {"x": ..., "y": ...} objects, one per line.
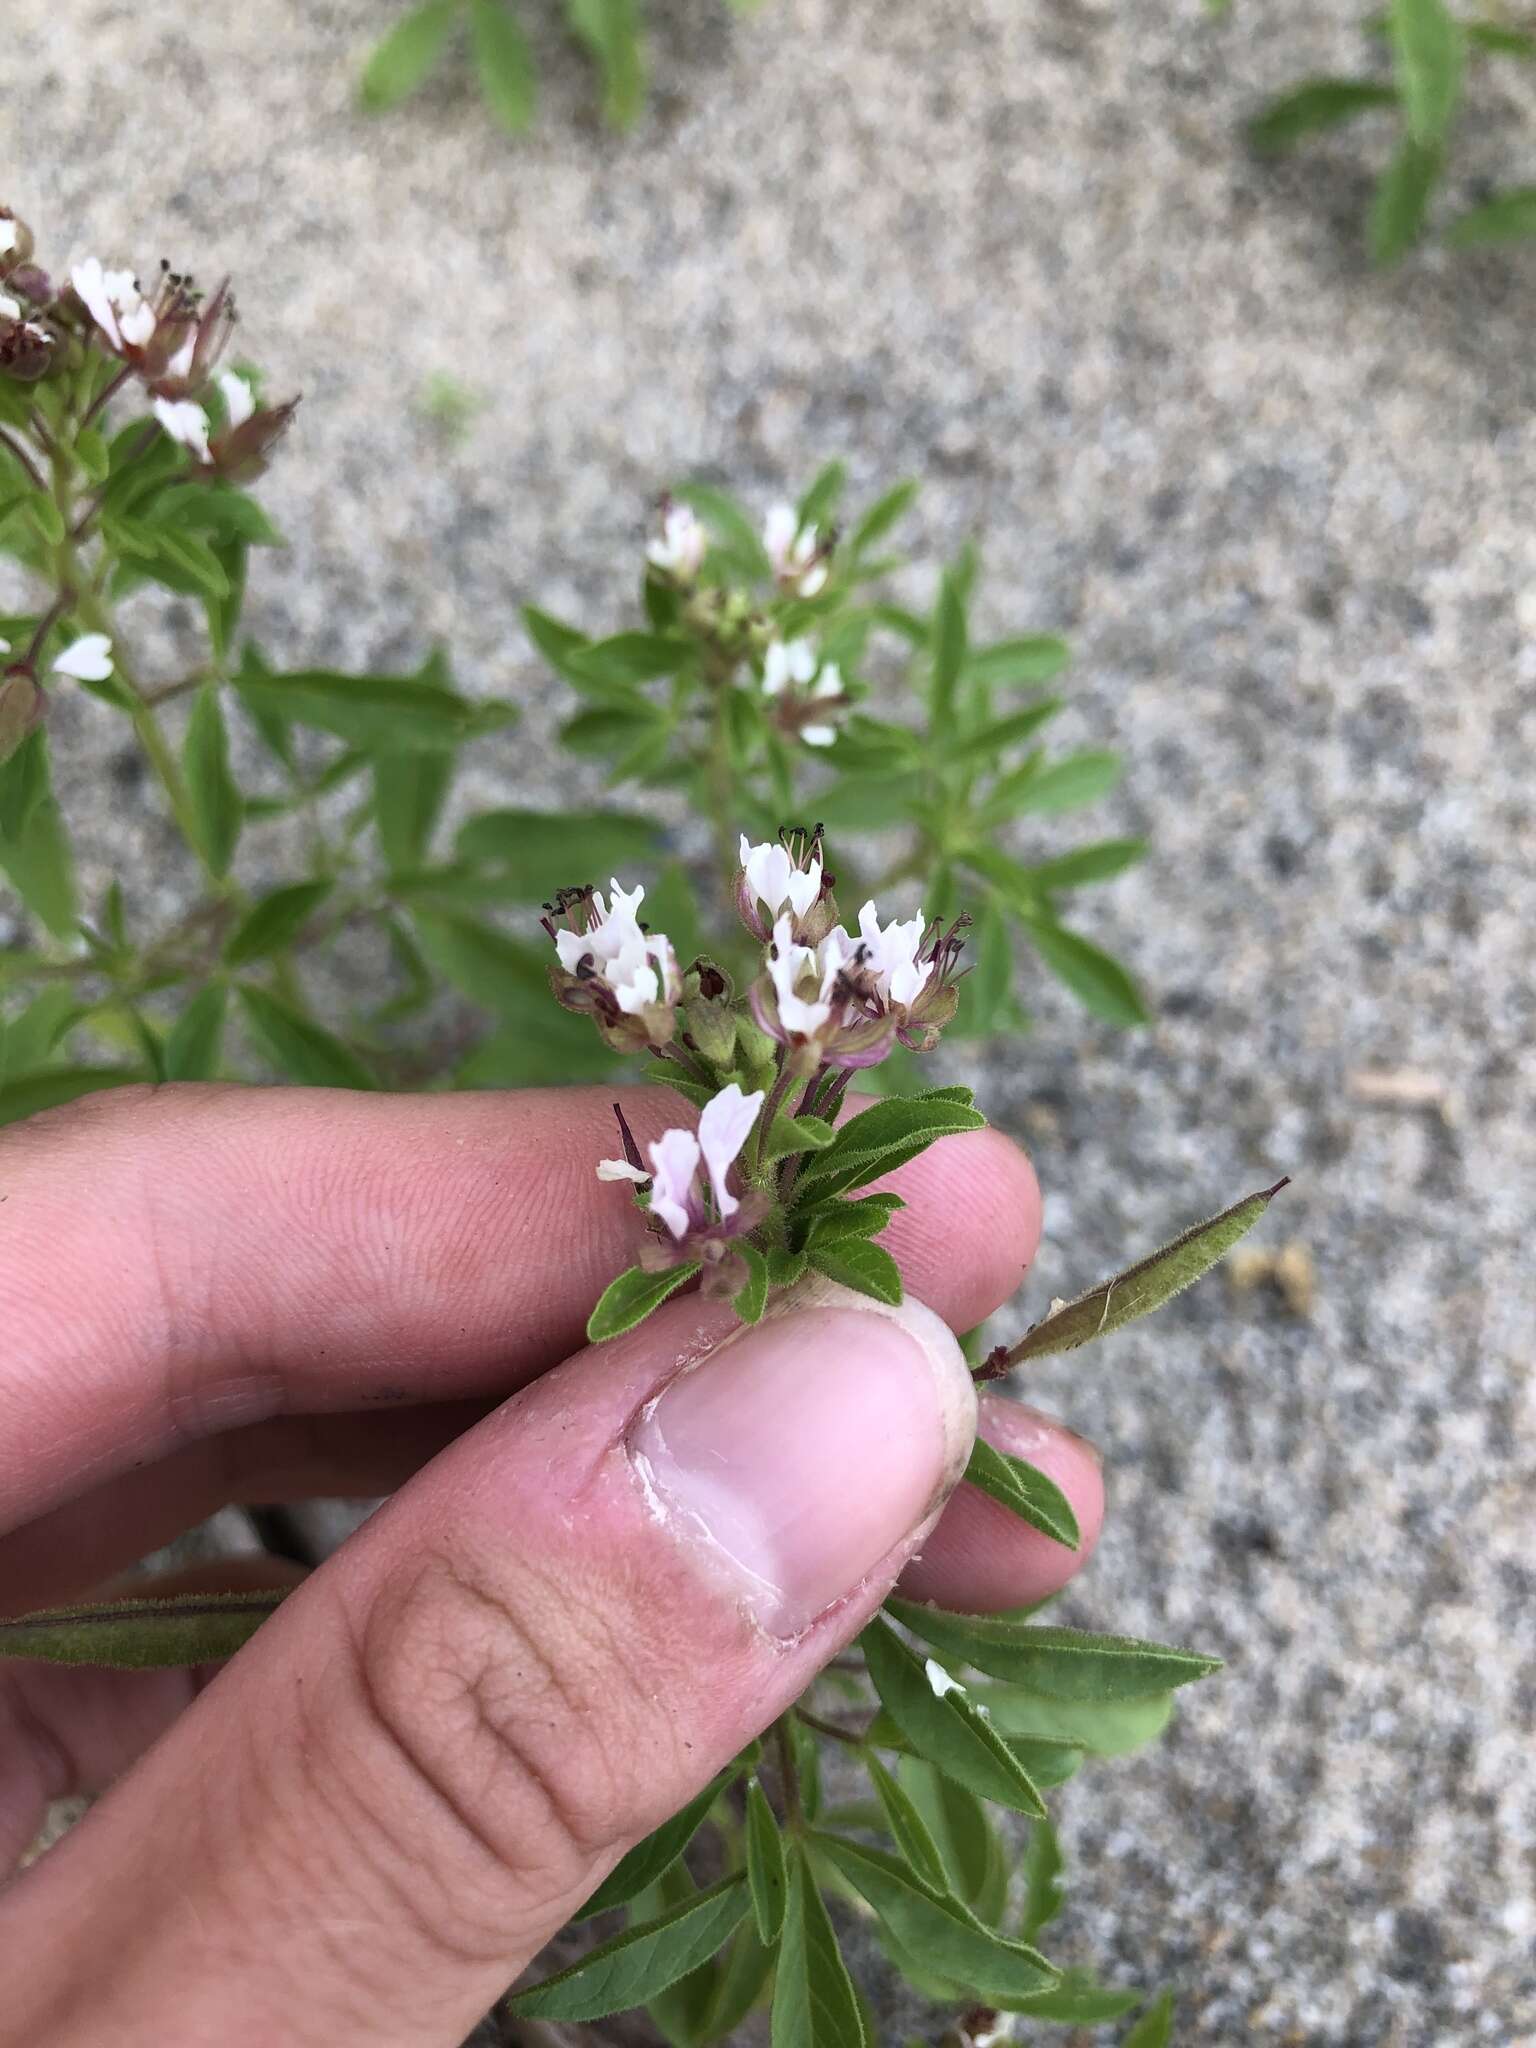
[{"x": 180, "y": 1261}]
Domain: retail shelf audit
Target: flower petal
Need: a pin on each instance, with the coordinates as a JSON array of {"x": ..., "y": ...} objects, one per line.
[
  {"x": 725, "y": 1124},
  {"x": 88, "y": 659},
  {"x": 620, "y": 1169},
  {"x": 675, "y": 1161}
]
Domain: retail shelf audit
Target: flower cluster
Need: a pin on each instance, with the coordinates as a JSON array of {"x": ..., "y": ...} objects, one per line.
[
  {"x": 797, "y": 554},
  {"x": 694, "y": 1214},
  {"x": 625, "y": 977}
]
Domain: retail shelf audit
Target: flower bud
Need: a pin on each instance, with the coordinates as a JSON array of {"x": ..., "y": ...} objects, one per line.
[
  {"x": 22, "y": 705},
  {"x": 26, "y": 348},
  {"x": 709, "y": 1026}
]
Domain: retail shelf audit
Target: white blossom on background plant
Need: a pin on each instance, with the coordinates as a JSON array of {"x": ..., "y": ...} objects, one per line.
[
  {"x": 795, "y": 553},
  {"x": 777, "y": 880},
  {"x": 185, "y": 421},
  {"x": 115, "y": 303},
  {"x": 88, "y": 659},
  {"x": 682, "y": 543}
]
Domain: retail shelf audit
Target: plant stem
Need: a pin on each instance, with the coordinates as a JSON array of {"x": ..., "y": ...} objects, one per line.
[
  {"x": 9, "y": 442},
  {"x": 789, "y": 1775},
  {"x": 855, "y": 1738},
  {"x": 721, "y": 787}
]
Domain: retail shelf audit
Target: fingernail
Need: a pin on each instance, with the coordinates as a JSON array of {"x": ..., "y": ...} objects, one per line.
[{"x": 802, "y": 1452}]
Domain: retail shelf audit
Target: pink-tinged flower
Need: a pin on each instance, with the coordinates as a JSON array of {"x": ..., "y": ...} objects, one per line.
[
  {"x": 784, "y": 874},
  {"x": 893, "y": 955},
  {"x": 796, "y": 554},
  {"x": 819, "y": 1000},
  {"x": 804, "y": 690},
  {"x": 237, "y": 448},
  {"x": 695, "y": 1214},
  {"x": 172, "y": 338},
  {"x": 625, "y": 977},
  {"x": 680, "y": 549},
  {"x": 88, "y": 659},
  {"x": 185, "y": 421}
]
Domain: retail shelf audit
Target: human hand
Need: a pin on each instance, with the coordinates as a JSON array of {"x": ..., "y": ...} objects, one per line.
[{"x": 578, "y": 1606}]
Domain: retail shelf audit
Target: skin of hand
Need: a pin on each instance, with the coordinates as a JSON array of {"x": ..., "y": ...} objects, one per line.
[{"x": 601, "y": 1571}]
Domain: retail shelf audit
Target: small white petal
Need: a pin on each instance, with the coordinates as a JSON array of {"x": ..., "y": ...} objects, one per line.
[
  {"x": 94, "y": 287},
  {"x": 180, "y": 364},
  {"x": 239, "y": 398},
  {"x": 10, "y": 309},
  {"x": 725, "y": 1124},
  {"x": 779, "y": 530},
  {"x": 818, "y": 735},
  {"x": 10, "y": 235},
  {"x": 801, "y": 656},
  {"x": 137, "y": 324},
  {"x": 674, "y": 1162},
  {"x": 813, "y": 580},
  {"x": 620, "y": 1169},
  {"x": 775, "y": 669},
  {"x": 88, "y": 659},
  {"x": 5, "y": 646},
  {"x": 184, "y": 422},
  {"x": 804, "y": 888},
  {"x": 940, "y": 1679},
  {"x": 830, "y": 682}
]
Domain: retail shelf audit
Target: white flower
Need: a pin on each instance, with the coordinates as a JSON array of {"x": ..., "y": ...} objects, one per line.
[
  {"x": 639, "y": 966},
  {"x": 893, "y": 955},
  {"x": 608, "y": 934},
  {"x": 10, "y": 309},
  {"x": 10, "y": 236},
  {"x": 776, "y": 881},
  {"x": 940, "y": 1679},
  {"x": 239, "y": 398},
  {"x": 185, "y": 422},
  {"x": 786, "y": 662},
  {"x": 791, "y": 551},
  {"x": 115, "y": 303},
  {"x": 791, "y": 966},
  {"x": 818, "y": 735},
  {"x": 830, "y": 682},
  {"x": 680, "y": 550},
  {"x": 724, "y": 1127},
  {"x": 5, "y": 646},
  {"x": 88, "y": 659}
]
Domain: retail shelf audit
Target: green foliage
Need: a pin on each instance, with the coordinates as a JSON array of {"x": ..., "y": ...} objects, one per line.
[
  {"x": 611, "y": 32},
  {"x": 139, "y": 1635},
  {"x": 1429, "y": 44}
]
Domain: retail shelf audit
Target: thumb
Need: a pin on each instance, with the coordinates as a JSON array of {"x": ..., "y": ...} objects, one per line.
[{"x": 534, "y": 1654}]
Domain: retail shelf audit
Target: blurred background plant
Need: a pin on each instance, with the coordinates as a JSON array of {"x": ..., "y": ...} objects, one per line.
[
  {"x": 1425, "y": 60},
  {"x": 612, "y": 33},
  {"x": 765, "y": 681}
]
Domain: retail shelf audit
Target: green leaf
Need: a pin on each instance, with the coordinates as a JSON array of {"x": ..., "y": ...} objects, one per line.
[
  {"x": 631, "y": 1298},
  {"x": 853, "y": 1262},
  {"x": 549, "y": 850},
  {"x": 625, "y": 659},
  {"x": 821, "y": 501},
  {"x": 877, "y": 522},
  {"x": 814, "y": 2002},
  {"x": 1099, "y": 862},
  {"x": 641, "y": 1962},
  {"x": 1104, "y": 1728},
  {"x": 557, "y": 642},
  {"x": 274, "y": 921},
  {"x": 33, "y": 1035},
  {"x": 1155, "y": 2027},
  {"x": 976, "y": 1865},
  {"x": 1060, "y": 1663},
  {"x": 193, "y": 1048},
  {"x": 907, "y": 1827},
  {"x": 1066, "y": 785},
  {"x": 400, "y": 63},
  {"x": 1429, "y": 53},
  {"x": 941, "y": 1722},
  {"x": 24, "y": 1095},
  {"x": 1031, "y": 658},
  {"x": 218, "y": 809},
  {"x": 1313, "y": 106},
  {"x": 1507, "y": 217},
  {"x": 381, "y": 714},
  {"x": 1044, "y": 1892},
  {"x": 752, "y": 1298},
  {"x": 1025, "y": 1491},
  {"x": 840, "y": 1219},
  {"x": 766, "y": 1876},
  {"x": 1499, "y": 40},
  {"x": 985, "y": 991},
  {"x": 504, "y": 974},
  {"x": 880, "y": 1139},
  {"x": 993, "y": 740},
  {"x": 139, "y": 1635},
  {"x": 24, "y": 784},
  {"x": 1145, "y": 1286},
  {"x": 728, "y": 524},
  {"x": 744, "y": 1972},
  {"x": 1078, "y": 2001},
  {"x": 300, "y": 1048},
  {"x": 794, "y": 1134},
  {"x": 1402, "y": 201},
  {"x": 949, "y": 647},
  {"x": 611, "y": 31},
  {"x": 939, "y": 1929},
  {"x": 504, "y": 63},
  {"x": 860, "y": 803},
  {"x": 652, "y": 1858},
  {"x": 38, "y": 857},
  {"x": 1095, "y": 977},
  {"x": 408, "y": 793}
]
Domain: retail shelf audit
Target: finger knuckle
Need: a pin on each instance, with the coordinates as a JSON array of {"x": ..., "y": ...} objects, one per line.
[{"x": 516, "y": 1708}]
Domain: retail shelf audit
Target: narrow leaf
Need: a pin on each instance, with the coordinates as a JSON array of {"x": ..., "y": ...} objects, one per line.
[
  {"x": 1061, "y": 1663},
  {"x": 504, "y": 63},
  {"x": 408, "y": 793},
  {"x": 1315, "y": 105},
  {"x": 405, "y": 56},
  {"x": 192, "y": 1050},
  {"x": 24, "y": 1095},
  {"x": 853, "y": 1262},
  {"x": 641, "y": 1962},
  {"x": 140, "y": 1635},
  {"x": 1025, "y": 1491},
  {"x": 631, "y": 1298},
  {"x": 948, "y": 647},
  {"x": 1507, "y": 217},
  {"x": 814, "y": 2002},
  {"x": 752, "y": 1297},
  {"x": 1095, "y": 977},
  {"x": 1044, "y": 1892},
  {"x": 1429, "y": 51},
  {"x": 655, "y": 1856},
  {"x": 275, "y": 921},
  {"x": 908, "y": 1829},
  {"x": 1145, "y": 1286},
  {"x": 942, "y": 1724},
  {"x": 880, "y": 1139},
  {"x": 299, "y": 1047},
  {"x": 878, "y": 521},
  {"x": 1032, "y": 658},
  {"x": 1401, "y": 201},
  {"x": 217, "y": 806},
  {"x": 1155, "y": 2027},
  {"x": 766, "y": 1876}
]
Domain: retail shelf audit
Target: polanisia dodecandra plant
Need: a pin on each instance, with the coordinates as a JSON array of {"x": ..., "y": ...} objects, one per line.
[
  {"x": 763, "y": 683},
  {"x": 744, "y": 679}
]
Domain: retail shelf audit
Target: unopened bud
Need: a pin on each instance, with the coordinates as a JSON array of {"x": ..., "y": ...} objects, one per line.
[
  {"x": 21, "y": 709},
  {"x": 26, "y": 350},
  {"x": 711, "y": 1028}
]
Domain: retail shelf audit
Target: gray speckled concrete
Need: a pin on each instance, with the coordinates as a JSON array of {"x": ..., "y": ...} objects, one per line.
[{"x": 1284, "y": 509}]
